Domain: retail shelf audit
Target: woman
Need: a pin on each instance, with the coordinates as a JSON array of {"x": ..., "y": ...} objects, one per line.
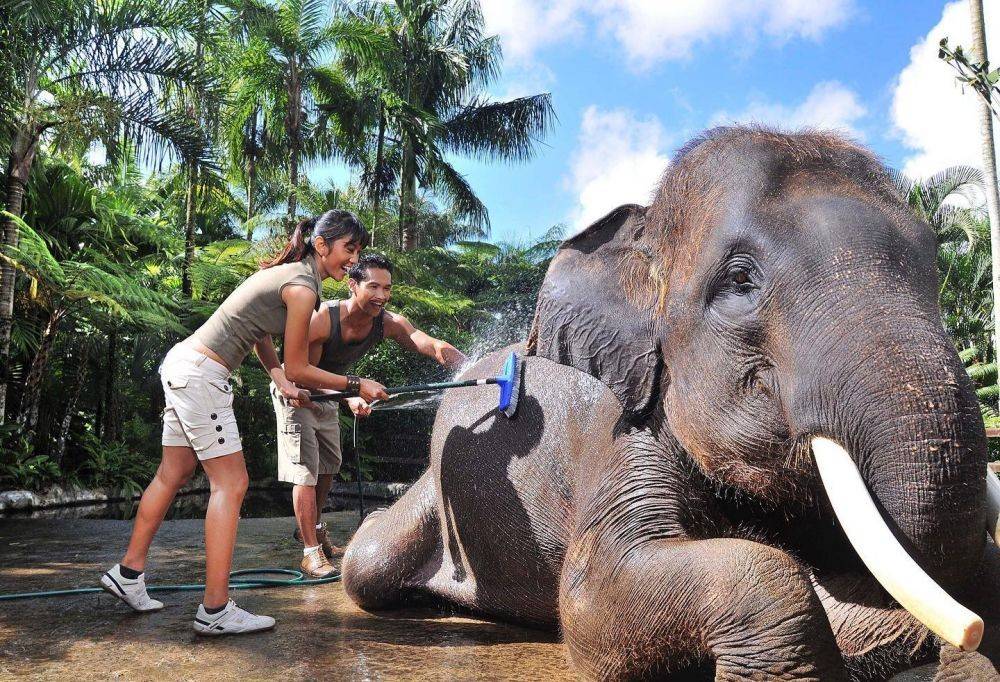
[{"x": 198, "y": 421}]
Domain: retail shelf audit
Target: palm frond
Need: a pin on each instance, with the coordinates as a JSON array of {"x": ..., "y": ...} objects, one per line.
[
  {"x": 32, "y": 255},
  {"x": 461, "y": 197},
  {"x": 505, "y": 130}
]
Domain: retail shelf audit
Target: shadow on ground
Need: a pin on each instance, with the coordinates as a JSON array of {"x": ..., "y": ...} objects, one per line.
[{"x": 320, "y": 633}]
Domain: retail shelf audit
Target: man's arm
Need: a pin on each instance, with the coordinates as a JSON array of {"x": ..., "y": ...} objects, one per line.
[{"x": 399, "y": 329}]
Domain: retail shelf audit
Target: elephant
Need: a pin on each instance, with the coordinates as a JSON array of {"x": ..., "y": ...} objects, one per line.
[{"x": 657, "y": 497}]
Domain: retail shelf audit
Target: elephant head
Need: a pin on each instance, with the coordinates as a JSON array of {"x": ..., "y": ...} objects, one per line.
[{"x": 777, "y": 290}]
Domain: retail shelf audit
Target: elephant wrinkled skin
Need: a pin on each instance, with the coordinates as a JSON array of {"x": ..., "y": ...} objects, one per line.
[{"x": 654, "y": 497}]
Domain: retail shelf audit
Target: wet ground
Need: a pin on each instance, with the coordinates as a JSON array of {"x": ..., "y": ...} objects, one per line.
[{"x": 320, "y": 633}]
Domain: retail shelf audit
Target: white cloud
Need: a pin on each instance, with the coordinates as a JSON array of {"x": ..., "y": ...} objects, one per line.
[
  {"x": 652, "y": 31},
  {"x": 619, "y": 159},
  {"x": 930, "y": 113},
  {"x": 829, "y": 106},
  {"x": 525, "y": 26}
]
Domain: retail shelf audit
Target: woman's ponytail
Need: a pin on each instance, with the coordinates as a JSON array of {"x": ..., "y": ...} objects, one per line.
[
  {"x": 330, "y": 226},
  {"x": 299, "y": 245}
]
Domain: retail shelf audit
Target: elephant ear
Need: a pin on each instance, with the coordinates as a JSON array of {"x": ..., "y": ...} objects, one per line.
[{"x": 595, "y": 309}]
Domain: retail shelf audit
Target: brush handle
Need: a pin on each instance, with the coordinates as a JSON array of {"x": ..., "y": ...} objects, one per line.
[{"x": 399, "y": 390}]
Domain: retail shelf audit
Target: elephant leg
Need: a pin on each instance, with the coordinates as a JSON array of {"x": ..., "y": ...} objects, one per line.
[
  {"x": 662, "y": 606},
  {"x": 876, "y": 637},
  {"x": 387, "y": 558}
]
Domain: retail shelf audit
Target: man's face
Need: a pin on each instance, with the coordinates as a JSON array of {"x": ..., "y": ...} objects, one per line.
[{"x": 374, "y": 293}]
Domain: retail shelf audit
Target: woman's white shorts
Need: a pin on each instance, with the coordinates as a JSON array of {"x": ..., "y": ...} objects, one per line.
[{"x": 199, "y": 404}]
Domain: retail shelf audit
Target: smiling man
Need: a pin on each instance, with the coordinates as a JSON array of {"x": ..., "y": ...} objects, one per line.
[{"x": 340, "y": 333}]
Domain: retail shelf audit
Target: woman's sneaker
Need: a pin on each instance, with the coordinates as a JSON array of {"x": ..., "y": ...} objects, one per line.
[
  {"x": 232, "y": 620},
  {"x": 131, "y": 591}
]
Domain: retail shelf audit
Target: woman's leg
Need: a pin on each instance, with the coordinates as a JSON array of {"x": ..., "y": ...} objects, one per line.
[
  {"x": 227, "y": 476},
  {"x": 175, "y": 470}
]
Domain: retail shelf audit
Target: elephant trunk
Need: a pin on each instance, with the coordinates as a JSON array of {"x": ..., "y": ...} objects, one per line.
[
  {"x": 906, "y": 412},
  {"x": 888, "y": 562},
  {"x": 928, "y": 477}
]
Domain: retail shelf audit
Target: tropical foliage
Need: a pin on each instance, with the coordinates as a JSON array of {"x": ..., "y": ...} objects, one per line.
[
  {"x": 156, "y": 151},
  {"x": 951, "y": 203}
]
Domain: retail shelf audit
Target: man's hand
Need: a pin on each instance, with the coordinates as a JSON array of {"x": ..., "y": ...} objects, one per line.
[
  {"x": 449, "y": 356},
  {"x": 293, "y": 395},
  {"x": 359, "y": 406}
]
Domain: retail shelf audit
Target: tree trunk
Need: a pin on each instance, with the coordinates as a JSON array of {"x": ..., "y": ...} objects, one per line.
[
  {"x": 293, "y": 129},
  {"x": 989, "y": 164},
  {"x": 408, "y": 198},
  {"x": 379, "y": 153},
  {"x": 22, "y": 155},
  {"x": 251, "y": 157},
  {"x": 82, "y": 356},
  {"x": 28, "y": 418},
  {"x": 110, "y": 431},
  {"x": 189, "y": 224},
  {"x": 191, "y": 197}
]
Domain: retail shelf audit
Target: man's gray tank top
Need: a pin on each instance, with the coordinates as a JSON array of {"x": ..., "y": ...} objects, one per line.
[
  {"x": 338, "y": 357},
  {"x": 255, "y": 309}
]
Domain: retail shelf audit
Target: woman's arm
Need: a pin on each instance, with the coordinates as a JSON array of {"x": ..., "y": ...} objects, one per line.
[
  {"x": 268, "y": 357},
  {"x": 299, "y": 301},
  {"x": 319, "y": 332}
]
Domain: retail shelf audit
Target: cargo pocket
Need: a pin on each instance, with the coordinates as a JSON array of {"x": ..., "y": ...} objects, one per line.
[
  {"x": 176, "y": 391},
  {"x": 291, "y": 442},
  {"x": 220, "y": 393},
  {"x": 176, "y": 382}
]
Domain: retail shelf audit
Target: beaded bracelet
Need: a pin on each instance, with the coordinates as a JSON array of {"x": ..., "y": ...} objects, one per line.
[{"x": 353, "y": 383}]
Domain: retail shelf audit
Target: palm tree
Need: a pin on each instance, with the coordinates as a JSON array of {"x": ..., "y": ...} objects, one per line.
[
  {"x": 989, "y": 161},
  {"x": 89, "y": 71},
  {"x": 950, "y": 202},
  {"x": 433, "y": 82},
  {"x": 287, "y": 76}
]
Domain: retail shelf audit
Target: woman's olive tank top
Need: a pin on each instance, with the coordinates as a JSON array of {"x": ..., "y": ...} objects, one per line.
[{"x": 255, "y": 309}]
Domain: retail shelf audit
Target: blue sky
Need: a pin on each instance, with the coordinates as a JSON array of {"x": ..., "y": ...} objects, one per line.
[{"x": 632, "y": 80}]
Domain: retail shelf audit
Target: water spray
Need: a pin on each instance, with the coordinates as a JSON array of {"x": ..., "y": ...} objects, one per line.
[{"x": 509, "y": 381}]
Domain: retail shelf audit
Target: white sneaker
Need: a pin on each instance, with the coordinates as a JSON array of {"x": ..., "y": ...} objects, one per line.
[
  {"x": 131, "y": 591},
  {"x": 231, "y": 620}
]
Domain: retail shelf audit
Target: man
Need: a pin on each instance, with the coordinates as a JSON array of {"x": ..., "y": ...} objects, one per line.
[{"x": 340, "y": 333}]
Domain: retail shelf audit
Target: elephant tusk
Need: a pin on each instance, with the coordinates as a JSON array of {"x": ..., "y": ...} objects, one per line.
[
  {"x": 993, "y": 505},
  {"x": 896, "y": 570}
]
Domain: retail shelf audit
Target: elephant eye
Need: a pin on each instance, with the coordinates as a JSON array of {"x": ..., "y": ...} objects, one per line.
[
  {"x": 738, "y": 277},
  {"x": 741, "y": 280}
]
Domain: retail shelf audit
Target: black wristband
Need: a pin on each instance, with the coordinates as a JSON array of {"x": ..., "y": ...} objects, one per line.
[{"x": 353, "y": 383}]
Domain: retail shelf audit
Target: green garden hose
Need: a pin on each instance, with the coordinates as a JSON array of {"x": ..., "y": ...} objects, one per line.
[{"x": 297, "y": 580}]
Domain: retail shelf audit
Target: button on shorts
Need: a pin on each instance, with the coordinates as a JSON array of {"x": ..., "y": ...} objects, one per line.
[
  {"x": 308, "y": 440},
  {"x": 199, "y": 404}
]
